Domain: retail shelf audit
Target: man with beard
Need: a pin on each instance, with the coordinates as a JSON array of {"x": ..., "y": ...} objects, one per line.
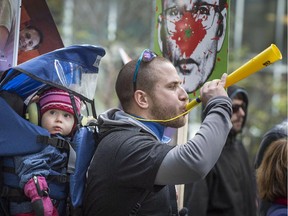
[
  {"x": 190, "y": 34},
  {"x": 229, "y": 188},
  {"x": 134, "y": 164}
]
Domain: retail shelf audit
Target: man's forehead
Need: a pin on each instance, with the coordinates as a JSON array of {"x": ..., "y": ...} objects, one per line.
[
  {"x": 167, "y": 73},
  {"x": 169, "y": 3}
]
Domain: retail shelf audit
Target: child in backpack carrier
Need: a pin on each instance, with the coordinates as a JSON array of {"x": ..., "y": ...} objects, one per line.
[{"x": 58, "y": 117}]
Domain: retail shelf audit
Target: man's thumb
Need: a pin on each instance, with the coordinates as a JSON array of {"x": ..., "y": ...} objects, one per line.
[{"x": 223, "y": 79}]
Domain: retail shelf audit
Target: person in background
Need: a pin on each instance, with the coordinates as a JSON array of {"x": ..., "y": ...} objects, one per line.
[
  {"x": 230, "y": 187},
  {"x": 271, "y": 178},
  {"x": 190, "y": 34},
  {"x": 134, "y": 164},
  {"x": 268, "y": 196}
]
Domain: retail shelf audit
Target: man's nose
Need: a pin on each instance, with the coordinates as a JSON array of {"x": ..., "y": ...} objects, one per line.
[
  {"x": 241, "y": 111},
  {"x": 183, "y": 94}
]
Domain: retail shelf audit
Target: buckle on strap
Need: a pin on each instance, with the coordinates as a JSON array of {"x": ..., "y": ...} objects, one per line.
[
  {"x": 54, "y": 141},
  {"x": 59, "y": 178}
]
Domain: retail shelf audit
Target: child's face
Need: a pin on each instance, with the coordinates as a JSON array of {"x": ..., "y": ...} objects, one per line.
[{"x": 57, "y": 121}]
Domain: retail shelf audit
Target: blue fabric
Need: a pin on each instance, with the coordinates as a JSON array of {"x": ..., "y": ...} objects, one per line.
[
  {"x": 84, "y": 145},
  {"x": 40, "y": 164},
  {"x": 22, "y": 84},
  {"x": 277, "y": 210},
  {"x": 18, "y": 208},
  {"x": 10, "y": 179},
  {"x": 158, "y": 129},
  {"x": 18, "y": 136},
  {"x": 61, "y": 68}
]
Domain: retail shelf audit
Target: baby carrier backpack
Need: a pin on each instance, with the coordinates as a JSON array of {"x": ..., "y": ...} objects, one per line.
[{"x": 73, "y": 69}]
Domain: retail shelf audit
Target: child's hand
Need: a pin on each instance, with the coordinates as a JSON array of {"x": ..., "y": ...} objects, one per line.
[{"x": 37, "y": 190}]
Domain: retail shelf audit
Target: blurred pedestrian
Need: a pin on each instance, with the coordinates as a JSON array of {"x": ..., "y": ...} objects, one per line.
[
  {"x": 271, "y": 178},
  {"x": 229, "y": 188},
  {"x": 271, "y": 174}
]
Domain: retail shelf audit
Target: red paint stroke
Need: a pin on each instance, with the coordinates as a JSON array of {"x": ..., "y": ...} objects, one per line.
[
  {"x": 215, "y": 38},
  {"x": 188, "y": 33},
  {"x": 208, "y": 52}
]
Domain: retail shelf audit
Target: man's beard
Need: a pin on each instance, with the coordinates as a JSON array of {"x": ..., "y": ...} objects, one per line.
[{"x": 163, "y": 113}]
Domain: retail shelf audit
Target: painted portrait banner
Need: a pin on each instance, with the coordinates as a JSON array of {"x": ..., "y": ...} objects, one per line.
[
  {"x": 27, "y": 30},
  {"x": 38, "y": 31},
  {"x": 193, "y": 34},
  {"x": 9, "y": 30}
]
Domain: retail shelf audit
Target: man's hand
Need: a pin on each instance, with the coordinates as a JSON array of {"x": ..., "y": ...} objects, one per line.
[{"x": 213, "y": 89}]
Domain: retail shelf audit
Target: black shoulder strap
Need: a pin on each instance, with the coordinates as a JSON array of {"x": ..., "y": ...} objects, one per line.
[
  {"x": 54, "y": 141},
  {"x": 172, "y": 190},
  {"x": 4, "y": 208},
  {"x": 136, "y": 208},
  {"x": 173, "y": 199}
]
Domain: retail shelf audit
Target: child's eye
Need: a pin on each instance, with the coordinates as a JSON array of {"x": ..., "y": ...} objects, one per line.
[
  {"x": 67, "y": 115},
  {"x": 52, "y": 112}
]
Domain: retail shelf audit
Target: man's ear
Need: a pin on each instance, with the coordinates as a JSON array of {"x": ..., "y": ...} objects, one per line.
[
  {"x": 221, "y": 32},
  {"x": 141, "y": 99}
]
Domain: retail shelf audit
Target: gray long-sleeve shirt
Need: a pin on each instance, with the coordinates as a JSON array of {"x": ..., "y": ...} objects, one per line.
[{"x": 200, "y": 153}]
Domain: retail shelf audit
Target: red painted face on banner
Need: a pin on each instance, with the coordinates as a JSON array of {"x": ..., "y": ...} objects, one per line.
[{"x": 190, "y": 34}]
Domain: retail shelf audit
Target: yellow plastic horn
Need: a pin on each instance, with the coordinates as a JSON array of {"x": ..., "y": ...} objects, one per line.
[{"x": 263, "y": 59}]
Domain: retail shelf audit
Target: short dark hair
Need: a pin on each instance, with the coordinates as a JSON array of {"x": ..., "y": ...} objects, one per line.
[
  {"x": 124, "y": 84},
  {"x": 145, "y": 80}
]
